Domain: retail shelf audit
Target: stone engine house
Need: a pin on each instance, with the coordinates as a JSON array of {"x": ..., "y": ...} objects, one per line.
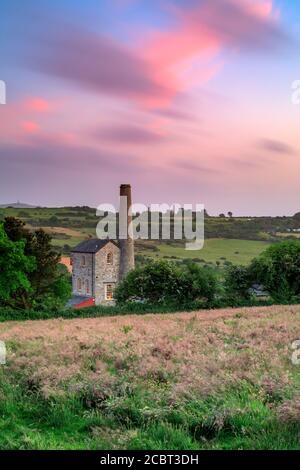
[{"x": 99, "y": 265}]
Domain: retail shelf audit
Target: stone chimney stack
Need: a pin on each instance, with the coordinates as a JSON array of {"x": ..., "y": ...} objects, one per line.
[{"x": 125, "y": 231}]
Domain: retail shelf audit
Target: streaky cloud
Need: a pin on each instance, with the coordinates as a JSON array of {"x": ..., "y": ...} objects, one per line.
[{"x": 275, "y": 146}]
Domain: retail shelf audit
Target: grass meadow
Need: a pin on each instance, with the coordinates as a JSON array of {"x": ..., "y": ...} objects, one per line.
[
  {"x": 202, "y": 380},
  {"x": 235, "y": 240},
  {"x": 218, "y": 250}
]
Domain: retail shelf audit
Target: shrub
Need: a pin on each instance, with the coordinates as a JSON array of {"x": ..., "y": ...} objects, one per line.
[
  {"x": 278, "y": 269},
  {"x": 197, "y": 283},
  {"x": 237, "y": 282},
  {"x": 155, "y": 282},
  {"x": 15, "y": 268},
  {"x": 47, "y": 282},
  {"x": 163, "y": 282}
]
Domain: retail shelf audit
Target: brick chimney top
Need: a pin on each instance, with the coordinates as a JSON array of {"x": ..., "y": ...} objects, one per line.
[{"x": 124, "y": 188}]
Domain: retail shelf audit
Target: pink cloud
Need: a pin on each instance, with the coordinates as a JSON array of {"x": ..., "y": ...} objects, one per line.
[
  {"x": 105, "y": 65},
  {"x": 187, "y": 55},
  {"x": 167, "y": 62},
  {"x": 37, "y": 104},
  {"x": 30, "y": 127}
]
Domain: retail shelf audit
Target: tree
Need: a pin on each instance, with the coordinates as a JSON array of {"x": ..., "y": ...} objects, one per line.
[
  {"x": 196, "y": 283},
  {"x": 15, "y": 268},
  {"x": 155, "y": 282},
  {"x": 237, "y": 282},
  {"x": 278, "y": 269},
  {"x": 163, "y": 282},
  {"x": 297, "y": 216},
  {"x": 222, "y": 216},
  {"x": 47, "y": 280},
  {"x": 15, "y": 230},
  {"x": 230, "y": 214}
]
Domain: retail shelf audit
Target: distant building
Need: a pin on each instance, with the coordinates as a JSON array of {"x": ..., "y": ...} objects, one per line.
[
  {"x": 99, "y": 265},
  {"x": 66, "y": 261}
]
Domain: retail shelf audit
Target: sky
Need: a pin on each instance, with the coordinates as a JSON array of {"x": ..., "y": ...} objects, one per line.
[{"x": 187, "y": 100}]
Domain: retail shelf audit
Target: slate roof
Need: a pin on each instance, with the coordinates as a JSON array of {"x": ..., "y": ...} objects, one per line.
[{"x": 92, "y": 245}]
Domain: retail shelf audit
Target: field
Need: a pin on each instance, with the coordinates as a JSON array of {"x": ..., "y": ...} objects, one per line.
[
  {"x": 236, "y": 240},
  {"x": 203, "y": 380},
  {"x": 218, "y": 250}
]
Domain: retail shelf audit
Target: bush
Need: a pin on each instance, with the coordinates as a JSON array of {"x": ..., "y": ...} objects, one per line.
[
  {"x": 237, "y": 282},
  {"x": 278, "y": 269},
  {"x": 32, "y": 269},
  {"x": 154, "y": 283},
  {"x": 160, "y": 282},
  {"x": 197, "y": 284}
]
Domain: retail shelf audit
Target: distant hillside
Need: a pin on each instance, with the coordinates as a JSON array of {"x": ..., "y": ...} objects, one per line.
[{"x": 17, "y": 205}]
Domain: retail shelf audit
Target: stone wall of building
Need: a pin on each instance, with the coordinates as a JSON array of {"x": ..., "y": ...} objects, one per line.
[
  {"x": 82, "y": 266},
  {"x": 106, "y": 273}
]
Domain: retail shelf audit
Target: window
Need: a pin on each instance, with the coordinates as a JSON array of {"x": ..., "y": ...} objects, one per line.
[
  {"x": 83, "y": 261},
  {"x": 109, "y": 291},
  {"x": 109, "y": 258},
  {"x": 87, "y": 286},
  {"x": 79, "y": 284}
]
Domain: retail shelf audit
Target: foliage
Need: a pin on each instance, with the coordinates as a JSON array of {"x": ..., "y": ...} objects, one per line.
[
  {"x": 237, "y": 282},
  {"x": 197, "y": 283},
  {"x": 49, "y": 284},
  {"x": 206, "y": 380},
  {"x": 278, "y": 269},
  {"x": 156, "y": 282},
  {"x": 15, "y": 268},
  {"x": 83, "y": 221},
  {"x": 163, "y": 282}
]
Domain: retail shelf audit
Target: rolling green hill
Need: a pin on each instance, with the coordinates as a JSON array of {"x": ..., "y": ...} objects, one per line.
[{"x": 235, "y": 240}]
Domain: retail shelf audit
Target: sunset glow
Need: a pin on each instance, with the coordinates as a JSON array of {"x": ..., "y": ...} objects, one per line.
[{"x": 189, "y": 101}]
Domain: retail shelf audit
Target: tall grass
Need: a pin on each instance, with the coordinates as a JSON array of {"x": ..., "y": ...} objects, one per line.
[
  {"x": 186, "y": 381},
  {"x": 236, "y": 419}
]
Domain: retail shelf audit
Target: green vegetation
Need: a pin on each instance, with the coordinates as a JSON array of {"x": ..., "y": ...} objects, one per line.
[
  {"x": 69, "y": 225},
  {"x": 278, "y": 269},
  {"x": 123, "y": 383},
  {"x": 164, "y": 283},
  {"x": 203, "y": 380},
  {"x": 31, "y": 276},
  {"x": 237, "y": 283},
  {"x": 236, "y": 419},
  {"x": 15, "y": 267},
  {"x": 216, "y": 249},
  {"x": 38, "y": 283},
  {"x": 140, "y": 309}
]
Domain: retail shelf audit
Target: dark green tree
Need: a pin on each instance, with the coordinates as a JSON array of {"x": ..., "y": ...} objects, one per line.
[
  {"x": 163, "y": 282},
  {"x": 50, "y": 285},
  {"x": 278, "y": 269},
  {"x": 237, "y": 283},
  {"x": 15, "y": 269}
]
